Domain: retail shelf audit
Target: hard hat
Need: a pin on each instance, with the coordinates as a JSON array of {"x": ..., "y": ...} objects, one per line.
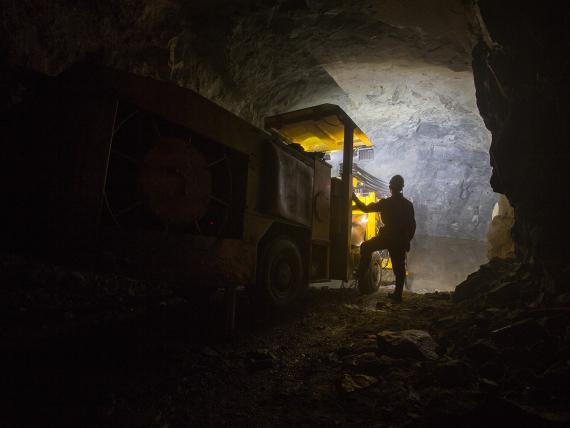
[{"x": 397, "y": 183}]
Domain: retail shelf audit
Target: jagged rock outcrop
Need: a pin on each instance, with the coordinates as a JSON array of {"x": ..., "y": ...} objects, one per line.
[
  {"x": 499, "y": 237},
  {"x": 521, "y": 68}
]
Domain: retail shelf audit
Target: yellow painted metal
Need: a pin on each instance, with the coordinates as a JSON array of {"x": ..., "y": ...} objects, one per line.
[
  {"x": 370, "y": 219},
  {"x": 327, "y": 128},
  {"x": 325, "y": 134},
  {"x": 387, "y": 264}
]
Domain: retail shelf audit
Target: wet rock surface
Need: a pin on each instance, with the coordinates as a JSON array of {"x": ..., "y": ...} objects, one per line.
[{"x": 119, "y": 360}]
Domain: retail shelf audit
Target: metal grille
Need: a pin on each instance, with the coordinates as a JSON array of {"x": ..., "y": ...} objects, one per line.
[{"x": 366, "y": 154}]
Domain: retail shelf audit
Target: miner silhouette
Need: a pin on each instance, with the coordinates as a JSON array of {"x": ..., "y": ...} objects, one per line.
[{"x": 399, "y": 227}]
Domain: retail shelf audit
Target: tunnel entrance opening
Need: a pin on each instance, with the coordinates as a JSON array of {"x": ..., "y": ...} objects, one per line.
[{"x": 425, "y": 125}]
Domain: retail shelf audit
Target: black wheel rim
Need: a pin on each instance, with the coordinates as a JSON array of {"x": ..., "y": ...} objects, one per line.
[{"x": 282, "y": 277}]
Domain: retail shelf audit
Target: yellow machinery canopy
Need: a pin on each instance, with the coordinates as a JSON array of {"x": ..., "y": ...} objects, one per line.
[{"x": 316, "y": 129}]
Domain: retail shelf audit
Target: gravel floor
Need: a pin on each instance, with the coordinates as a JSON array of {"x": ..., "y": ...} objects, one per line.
[{"x": 86, "y": 349}]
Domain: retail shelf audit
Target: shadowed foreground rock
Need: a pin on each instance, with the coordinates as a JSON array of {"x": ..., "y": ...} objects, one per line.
[
  {"x": 407, "y": 344},
  {"x": 138, "y": 357}
]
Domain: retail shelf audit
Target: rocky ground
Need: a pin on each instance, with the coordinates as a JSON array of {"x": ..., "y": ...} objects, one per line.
[{"x": 85, "y": 349}]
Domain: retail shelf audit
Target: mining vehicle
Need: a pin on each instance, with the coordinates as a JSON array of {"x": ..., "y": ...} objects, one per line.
[
  {"x": 158, "y": 181},
  {"x": 320, "y": 138}
]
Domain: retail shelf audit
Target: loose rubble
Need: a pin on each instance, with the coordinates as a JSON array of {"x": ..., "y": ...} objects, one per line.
[
  {"x": 355, "y": 382},
  {"x": 104, "y": 350},
  {"x": 407, "y": 344}
]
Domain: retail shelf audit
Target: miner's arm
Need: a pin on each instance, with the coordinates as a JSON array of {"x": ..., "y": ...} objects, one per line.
[{"x": 370, "y": 208}]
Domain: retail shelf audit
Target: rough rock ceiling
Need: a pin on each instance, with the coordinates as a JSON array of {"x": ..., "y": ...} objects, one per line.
[
  {"x": 250, "y": 55},
  {"x": 401, "y": 68},
  {"x": 403, "y": 71},
  {"x": 278, "y": 51}
]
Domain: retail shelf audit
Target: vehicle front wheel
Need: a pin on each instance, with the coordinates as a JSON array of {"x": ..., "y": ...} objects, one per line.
[
  {"x": 280, "y": 275},
  {"x": 370, "y": 282}
]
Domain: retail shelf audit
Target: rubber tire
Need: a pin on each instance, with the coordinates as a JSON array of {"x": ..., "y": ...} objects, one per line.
[
  {"x": 370, "y": 283},
  {"x": 280, "y": 275}
]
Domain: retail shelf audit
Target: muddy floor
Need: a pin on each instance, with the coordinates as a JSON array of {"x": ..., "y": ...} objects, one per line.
[{"x": 92, "y": 350}]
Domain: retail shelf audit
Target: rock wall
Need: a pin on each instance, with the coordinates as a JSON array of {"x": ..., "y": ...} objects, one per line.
[
  {"x": 521, "y": 71},
  {"x": 239, "y": 54},
  {"x": 500, "y": 237},
  {"x": 425, "y": 124},
  {"x": 401, "y": 70}
]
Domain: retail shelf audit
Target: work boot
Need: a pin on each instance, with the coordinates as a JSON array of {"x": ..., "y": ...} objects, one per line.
[{"x": 396, "y": 298}]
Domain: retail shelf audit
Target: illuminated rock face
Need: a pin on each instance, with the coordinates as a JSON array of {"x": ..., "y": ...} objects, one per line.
[
  {"x": 425, "y": 124},
  {"x": 499, "y": 238},
  {"x": 402, "y": 72},
  {"x": 258, "y": 58}
]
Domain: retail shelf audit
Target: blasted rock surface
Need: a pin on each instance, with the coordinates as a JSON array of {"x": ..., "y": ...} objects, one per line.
[
  {"x": 425, "y": 124},
  {"x": 520, "y": 76},
  {"x": 401, "y": 70},
  {"x": 407, "y": 344},
  {"x": 499, "y": 237}
]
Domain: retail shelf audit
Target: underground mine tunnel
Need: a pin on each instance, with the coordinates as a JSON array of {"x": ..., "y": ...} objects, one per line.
[{"x": 179, "y": 245}]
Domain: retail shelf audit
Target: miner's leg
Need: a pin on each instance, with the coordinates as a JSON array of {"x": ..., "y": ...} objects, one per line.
[{"x": 398, "y": 257}]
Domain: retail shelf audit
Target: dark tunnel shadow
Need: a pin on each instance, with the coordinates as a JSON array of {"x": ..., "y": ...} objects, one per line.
[{"x": 75, "y": 378}]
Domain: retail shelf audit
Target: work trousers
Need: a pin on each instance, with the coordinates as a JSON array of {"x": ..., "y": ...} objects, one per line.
[{"x": 397, "y": 254}]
